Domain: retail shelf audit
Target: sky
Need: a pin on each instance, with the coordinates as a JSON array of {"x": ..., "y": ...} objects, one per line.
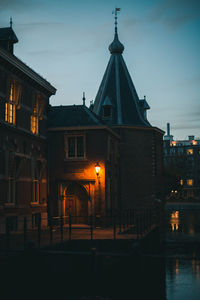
[{"x": 66, "y": 42}]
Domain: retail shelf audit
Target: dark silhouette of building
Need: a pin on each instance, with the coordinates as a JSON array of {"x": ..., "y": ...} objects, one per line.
[
  {"x": 182, "y": 168},
  {"x": 24, "y": 100}
]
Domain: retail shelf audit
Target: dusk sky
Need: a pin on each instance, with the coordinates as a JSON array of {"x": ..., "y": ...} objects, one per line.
[{"x": 67, "y": 43}]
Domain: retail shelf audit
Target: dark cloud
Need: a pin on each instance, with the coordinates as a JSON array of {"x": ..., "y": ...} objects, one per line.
[{"x": 175, "y": 13}]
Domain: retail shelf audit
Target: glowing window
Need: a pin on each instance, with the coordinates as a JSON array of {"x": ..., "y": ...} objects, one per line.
[
  {"x": 194, "y": 142},
  {"x": 10, "y": 107},
  {"x": 181, "y": 182},
  {"x": 190, "y": 182},
  {"x": 173, "y": 143},
  {"x": 35, "y": 119},
  {"x": 189, "y": 151}
]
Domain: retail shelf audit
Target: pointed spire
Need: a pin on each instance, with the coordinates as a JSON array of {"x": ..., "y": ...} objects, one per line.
[
  {"x": 116, "y": 46},
  {"x": 11, "y": 22},
  {"x": 83, "y": 98}
]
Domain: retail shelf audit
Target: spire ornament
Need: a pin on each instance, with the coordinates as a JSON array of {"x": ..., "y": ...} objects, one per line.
[
  {"x": 11, "y": 22},
  {"x": 116, "y": 46}
]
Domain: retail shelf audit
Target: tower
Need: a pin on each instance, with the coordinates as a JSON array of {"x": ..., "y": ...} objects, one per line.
[{"x": 118, "y": 104}]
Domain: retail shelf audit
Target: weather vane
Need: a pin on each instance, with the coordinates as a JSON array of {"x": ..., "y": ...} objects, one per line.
[{"x": 117, "y": 9}]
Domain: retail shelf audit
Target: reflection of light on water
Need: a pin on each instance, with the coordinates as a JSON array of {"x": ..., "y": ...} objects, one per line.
[
  {"x": 174, "y": 220},
  {"x": 177, "y": 266},
  {"x": 195, "y": 267}
]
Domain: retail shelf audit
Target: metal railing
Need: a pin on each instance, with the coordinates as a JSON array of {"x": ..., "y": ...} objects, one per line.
[{"x": 127, "y": 224}]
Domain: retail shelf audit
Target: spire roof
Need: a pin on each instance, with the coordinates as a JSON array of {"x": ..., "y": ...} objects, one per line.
[{"x": 117, "y": 86}]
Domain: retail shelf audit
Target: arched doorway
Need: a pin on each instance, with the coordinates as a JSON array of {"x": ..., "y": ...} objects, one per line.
[{"x": 76, "y": 201}]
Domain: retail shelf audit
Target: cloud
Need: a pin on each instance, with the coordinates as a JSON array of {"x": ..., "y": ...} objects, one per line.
[
  {"x": 174, "y": 14},
  {"x": 15, "y": 5}
]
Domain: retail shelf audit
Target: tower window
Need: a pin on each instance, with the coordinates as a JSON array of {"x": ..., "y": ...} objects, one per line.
[{"x": 107, "y": 111}]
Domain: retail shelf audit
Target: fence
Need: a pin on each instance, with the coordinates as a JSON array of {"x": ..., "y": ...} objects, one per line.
[{"x": 128, "y": 224}]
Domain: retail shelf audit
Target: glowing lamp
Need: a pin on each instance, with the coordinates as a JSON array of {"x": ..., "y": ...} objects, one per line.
[{"x": 97, "y": 169}]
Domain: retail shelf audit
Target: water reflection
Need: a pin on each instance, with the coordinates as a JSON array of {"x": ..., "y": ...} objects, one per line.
[
  {"x": 174, "y": 220},
  {"x": 183, "y": 255}
]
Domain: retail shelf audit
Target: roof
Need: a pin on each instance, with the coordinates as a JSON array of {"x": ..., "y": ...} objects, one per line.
[
  {"x": 7, "y": 33},
  {"x": 117, "y": 85},
  {"x": 72, "y": 116}
]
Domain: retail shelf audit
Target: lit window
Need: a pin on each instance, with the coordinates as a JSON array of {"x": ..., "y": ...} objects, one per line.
[
  {"x": 173, "y": 143},
  {"x": 75, "y": 146},
  {"x": 181, "y": 182},
  {"x": 10, "y": 107},
  {"x": 35, "y": 119},
  {"x": 194, "y": 142},
  {"x": 190, "y": 182},
  {"x": 13, "y": 102},
  {"x": 189, "y": 151}
]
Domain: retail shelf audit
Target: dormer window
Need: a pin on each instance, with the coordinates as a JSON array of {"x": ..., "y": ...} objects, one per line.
[
  {"x": 107, "y": 108},
  {"x": 107, "y": 111}
]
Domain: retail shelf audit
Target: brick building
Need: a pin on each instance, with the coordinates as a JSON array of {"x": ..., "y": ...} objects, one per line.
[
  {"x": 24, "y": 100},
  {"x": 140, "y": 148},
  {"x": 182, "y": 167},
  {"x": 113, "y": 132},
  {"x": 78, "y": 142}
]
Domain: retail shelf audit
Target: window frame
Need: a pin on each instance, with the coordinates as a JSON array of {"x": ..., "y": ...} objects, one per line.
[{"x": 76, "y": 156}]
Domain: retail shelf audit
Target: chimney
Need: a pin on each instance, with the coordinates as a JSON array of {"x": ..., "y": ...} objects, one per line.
[
  {"x": 191, "y": 137},
  {"x": 168, "y": 129}
]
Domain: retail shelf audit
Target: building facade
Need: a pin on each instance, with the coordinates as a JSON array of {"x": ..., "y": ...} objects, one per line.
[
  {"x": 24, "y": 101},
  {"x": 182, "y": 168}
]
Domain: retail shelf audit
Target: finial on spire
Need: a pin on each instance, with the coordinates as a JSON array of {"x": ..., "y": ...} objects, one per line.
[
  {"x": 117, "y": 9},
  {"x": 11, "y": 22},
  {"x": 84, "y": 98}
]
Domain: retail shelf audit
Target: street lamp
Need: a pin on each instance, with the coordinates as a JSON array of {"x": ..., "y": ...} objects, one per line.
[{"x": 97, "y": 169}]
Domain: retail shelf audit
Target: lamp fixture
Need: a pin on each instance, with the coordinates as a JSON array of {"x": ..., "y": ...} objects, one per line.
[{"x": 97, "y": 168}]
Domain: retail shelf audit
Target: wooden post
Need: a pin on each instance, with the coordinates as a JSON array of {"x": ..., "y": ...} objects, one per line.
[
  {"x": 7, "y": 236},
  {"x": 91, "y": 227},
  {"x": 39, "y": 231},
  {"x": 61, "y": 229},
  {"x": 25, "y": 232},
  {"x": 114, "y": 227},
  {"x": 70, "y": 227},
  {"x": 50, "y": 230}
]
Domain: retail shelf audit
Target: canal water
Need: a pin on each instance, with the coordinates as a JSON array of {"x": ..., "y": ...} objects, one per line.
[
  {"x": 170, "y": 274},
  {"x": 182, "y": 253}
]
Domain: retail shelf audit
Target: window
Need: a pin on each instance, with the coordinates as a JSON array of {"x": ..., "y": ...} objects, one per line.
[
  {"x": 189, "y": 151},
  {"x": 13, "y": 102},
  {"x": 190, "y": 182},
  {"x": 36, "y": 219},
  {"x": 75, "y": 146},
  {"x": 35, "y": 191},
  {"x": 11, "y": 190},
  {"x": 181, "y": 182},
  {"x": 107, "y": 111},
  {"x": 10, "y": 107},
  {"x": 35, "y": 119},
  {"x": 11, "y": 223}
]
